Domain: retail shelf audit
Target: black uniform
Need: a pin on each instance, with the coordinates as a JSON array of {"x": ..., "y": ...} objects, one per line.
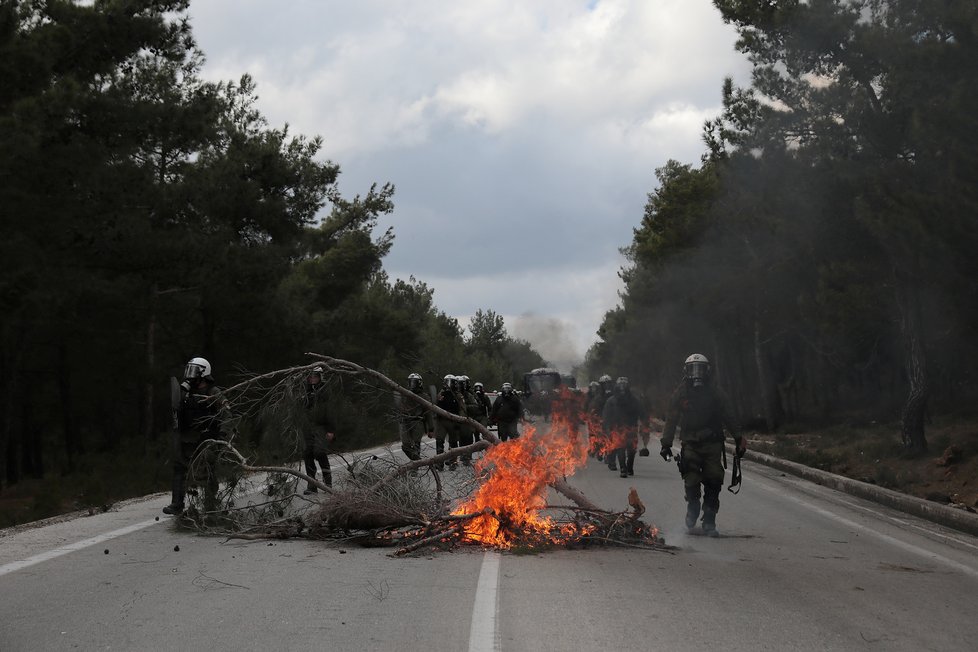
[
  {"x": 621, "y": 417},
  {"x": 506, "y": 413},
  {"x": 415, "y": 421},
  {"x": 197, "y": 419},
  {"x": 316, "y": 423},
  {"x": 447, "y": 400},
  {"x": 701, "y": 413}
]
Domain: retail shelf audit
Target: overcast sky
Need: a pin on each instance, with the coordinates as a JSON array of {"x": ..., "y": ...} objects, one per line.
[{"x": 521, "y": 136}]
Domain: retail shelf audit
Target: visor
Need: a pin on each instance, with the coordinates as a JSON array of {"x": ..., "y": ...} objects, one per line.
[
  {"x": 697, "y": 370},
  {"x": 192, "y": 371}
]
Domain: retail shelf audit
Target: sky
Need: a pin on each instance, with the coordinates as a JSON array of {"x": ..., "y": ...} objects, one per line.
[{"x": 522, "y": 137}]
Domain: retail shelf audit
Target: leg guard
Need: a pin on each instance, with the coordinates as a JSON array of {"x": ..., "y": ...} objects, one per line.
[
  {"x": 692, "y": 506},
  {"x": 711, "y": 505}
]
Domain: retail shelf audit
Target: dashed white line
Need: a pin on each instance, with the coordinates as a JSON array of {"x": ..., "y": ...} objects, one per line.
[{"x": 483, "y": 636}]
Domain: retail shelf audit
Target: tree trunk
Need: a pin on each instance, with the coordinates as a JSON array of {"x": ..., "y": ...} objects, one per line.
[
  {"x": 9, "y": 390},
  {"x": 32, "y": 456},
  {"x": 70, "y": 431},
  {"x": 148, "y": 416},
  {"x": 915, "y": 408},
  {"x": 763, "y": 377}
]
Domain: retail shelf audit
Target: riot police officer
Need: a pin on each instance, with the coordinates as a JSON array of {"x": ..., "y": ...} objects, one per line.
[
  {"x": 317, "y": 429},
  {"x": 507, "y": 410},
  {"x": 622, "y": 418},
  {"x": 197, "y": 419},
  {"x": 701, "y": 411},
  {"x": 415, "y": 419},
  {"x": 447, "y": 400}
]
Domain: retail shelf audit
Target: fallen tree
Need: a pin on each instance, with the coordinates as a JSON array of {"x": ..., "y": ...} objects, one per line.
[{"x": 412, "y": 505}]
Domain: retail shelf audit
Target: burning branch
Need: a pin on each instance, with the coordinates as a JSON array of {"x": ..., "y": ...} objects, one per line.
[{"x": 382, "y": 502}]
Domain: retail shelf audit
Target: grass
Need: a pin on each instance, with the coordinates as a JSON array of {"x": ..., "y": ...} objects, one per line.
[{"x": 874, "y": 453}]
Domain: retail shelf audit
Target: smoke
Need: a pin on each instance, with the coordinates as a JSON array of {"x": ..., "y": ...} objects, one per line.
[{"x": 553, "y": 338}]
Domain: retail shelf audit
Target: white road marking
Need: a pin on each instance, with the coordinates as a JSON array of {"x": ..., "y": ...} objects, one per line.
[
  {"x": 72, "y": 547},
  {"x": 909, "y": 547},
  {"x": 482, "y": 633}
]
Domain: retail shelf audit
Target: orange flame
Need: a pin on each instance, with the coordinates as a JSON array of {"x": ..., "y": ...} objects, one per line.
[{"x": 519, "y": 471}]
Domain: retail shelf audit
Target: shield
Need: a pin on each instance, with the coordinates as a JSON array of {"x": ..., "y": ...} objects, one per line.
[{"x": 176, "y": 395}]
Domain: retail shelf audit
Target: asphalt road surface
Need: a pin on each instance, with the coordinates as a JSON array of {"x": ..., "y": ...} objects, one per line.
[{"x": 798, "y": 567}]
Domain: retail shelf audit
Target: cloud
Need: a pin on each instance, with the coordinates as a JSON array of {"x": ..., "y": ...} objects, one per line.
[{"x": 522, "y": 137}]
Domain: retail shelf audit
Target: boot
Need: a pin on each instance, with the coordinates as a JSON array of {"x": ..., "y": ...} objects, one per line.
[
  {"x": 692, "y": 507},
  {"x": 176, "y": 501},
  {"x": 710, "y": 523},
  {"x": 174, "y": 509},
  {"x": 692, "y": 513}
]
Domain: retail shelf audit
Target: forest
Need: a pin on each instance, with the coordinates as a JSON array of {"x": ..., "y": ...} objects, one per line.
[
  {"x": 150, "y": 216},
  {"x": 821, "y": 252}
]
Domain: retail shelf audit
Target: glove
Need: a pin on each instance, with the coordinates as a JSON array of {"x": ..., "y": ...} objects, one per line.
[
  {"x": 644, "y": 452},
  {"x": 666, "y": 453},
  {"x": 741, "y": 447}
]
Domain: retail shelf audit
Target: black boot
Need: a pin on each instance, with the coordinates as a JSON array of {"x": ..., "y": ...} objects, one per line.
[
  {"x": 692, "y": 507},
  {"x": 710, "y": 523},
  {"x": 711, "y": 505},
  {"x": 176, "y": 501}
]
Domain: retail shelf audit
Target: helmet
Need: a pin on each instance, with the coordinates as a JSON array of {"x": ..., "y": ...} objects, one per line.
[
  {"x": 448, "y": 381},
  {"x": 593, "y": 385},
  {"x": 604, "y": 379},
  {"x": 621, "y": 384},
  {"x": 414, "y": 381},
  {"x": 696, "y": 369},
  {"x": 507, "y": 388},
  {"x": 317, "y": 373},
  {"x": 478, "y": 387},
  {"x": 197, "y": 368},
  {"x": 463, "y": 382}
]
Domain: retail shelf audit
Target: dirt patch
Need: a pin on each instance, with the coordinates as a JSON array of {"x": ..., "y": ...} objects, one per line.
[{"x": 947, "y": 474}]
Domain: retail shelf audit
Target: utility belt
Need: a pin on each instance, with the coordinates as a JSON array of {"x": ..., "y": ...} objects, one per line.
[{"x": 701, "y": 436}]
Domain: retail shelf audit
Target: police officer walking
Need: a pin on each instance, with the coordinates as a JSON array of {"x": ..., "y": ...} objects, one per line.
[
  {"x": 701, "y": 411},
  {"x": 317, "y": 430},
  {"x": 622, "y": 418},
  {"x": 197, "y": 419},
  {"x": 483, "y": 407},
  {"x": 470, "y": 408},
  {"x": 446, "y": 428},
  {"x": 507, "y": 410},
  {"x": 415, "y": 419}
]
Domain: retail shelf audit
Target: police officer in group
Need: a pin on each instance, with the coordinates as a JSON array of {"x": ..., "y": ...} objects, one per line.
[
  {"x": 482, "y": 408},
  {"x": 447, "y": 400},
  {"x": 701, "y": 411},
  {"x": 470, "y": 408},
  {"x": 415, "y": 419},
  {"x": 623, "y": 415},
  {"x": 592, "y": 409},
  {"x": 317, "y": 429},
  {"x": 506, "y": 413},
  {"x": 197, "y": 417}
]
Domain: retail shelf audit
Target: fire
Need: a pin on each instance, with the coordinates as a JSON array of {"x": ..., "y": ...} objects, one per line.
[{"x": 518, "y": 473}]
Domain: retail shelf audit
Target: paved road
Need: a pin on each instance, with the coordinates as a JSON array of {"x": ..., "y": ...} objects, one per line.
[{"x": 799, "y": 567}]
